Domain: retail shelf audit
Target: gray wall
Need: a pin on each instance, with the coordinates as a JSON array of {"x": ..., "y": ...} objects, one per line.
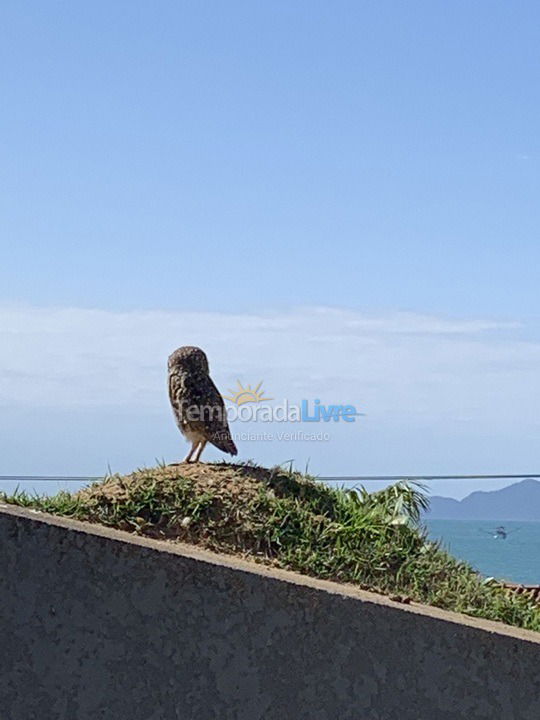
[{"x": 96, "y": 624}]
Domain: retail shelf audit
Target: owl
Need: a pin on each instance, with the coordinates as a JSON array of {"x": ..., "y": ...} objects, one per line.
[{"x": 198, "y": 407}]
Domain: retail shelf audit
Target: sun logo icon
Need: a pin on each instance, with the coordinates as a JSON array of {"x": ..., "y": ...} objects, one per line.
[{"x": 247, "y": 394}]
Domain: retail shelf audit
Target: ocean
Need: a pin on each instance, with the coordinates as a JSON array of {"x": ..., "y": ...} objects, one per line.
[{"x": 517, "y": 558}]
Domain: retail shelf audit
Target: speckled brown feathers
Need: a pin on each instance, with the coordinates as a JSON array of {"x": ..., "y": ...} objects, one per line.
[{"x": 198, "y": 407}]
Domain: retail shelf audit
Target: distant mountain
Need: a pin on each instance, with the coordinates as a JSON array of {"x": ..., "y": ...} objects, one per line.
[{"x": 520, "y": 501}]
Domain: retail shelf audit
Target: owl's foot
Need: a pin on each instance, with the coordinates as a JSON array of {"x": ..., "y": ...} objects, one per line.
[
  {"x": 190, "y": 453},
  {"x": 193, "y": 455},
  {"x": 200, "y": 448}
]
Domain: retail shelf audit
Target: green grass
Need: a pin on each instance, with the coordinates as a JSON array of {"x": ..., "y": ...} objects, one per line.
[{"x": 291, "y": 521}]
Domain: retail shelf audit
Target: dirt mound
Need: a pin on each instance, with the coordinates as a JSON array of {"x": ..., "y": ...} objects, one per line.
[
  {"x": 225, "y": 479},
  {"x": 222, "y": 506}
]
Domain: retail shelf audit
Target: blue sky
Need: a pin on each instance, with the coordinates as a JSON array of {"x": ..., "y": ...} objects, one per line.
[{"x": 262, "y": 160}]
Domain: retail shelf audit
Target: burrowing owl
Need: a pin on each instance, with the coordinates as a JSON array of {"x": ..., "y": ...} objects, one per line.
[{"x": 197, "y": 405}]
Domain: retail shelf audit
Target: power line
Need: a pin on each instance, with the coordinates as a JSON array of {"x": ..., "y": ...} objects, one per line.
[
  {"x": 332, "y": 478},
  {"x": 375, "y": 478},
  {"x": 48, "y": 478}
]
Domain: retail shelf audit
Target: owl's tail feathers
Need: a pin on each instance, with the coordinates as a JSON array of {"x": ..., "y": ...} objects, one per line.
[{"x": 223, "y": 441}]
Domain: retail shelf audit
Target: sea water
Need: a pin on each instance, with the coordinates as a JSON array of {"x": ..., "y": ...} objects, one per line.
[{"x": 516, "y": 558}]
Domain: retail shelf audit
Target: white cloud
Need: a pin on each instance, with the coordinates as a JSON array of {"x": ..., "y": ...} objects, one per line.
[
  {"x": 397, "y": 363},
  {"x": 80, "y": 388}
]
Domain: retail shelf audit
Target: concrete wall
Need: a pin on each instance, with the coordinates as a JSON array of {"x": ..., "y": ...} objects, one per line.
[{"x": 96, "y": 624}]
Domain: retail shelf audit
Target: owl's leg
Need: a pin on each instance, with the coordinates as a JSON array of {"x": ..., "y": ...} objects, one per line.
[
  {"x": 190, "y": 453},
  {"x": 201, "y": 447}
]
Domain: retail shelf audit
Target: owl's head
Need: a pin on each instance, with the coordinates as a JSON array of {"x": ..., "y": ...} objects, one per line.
[{"x": 189, "y": 359}]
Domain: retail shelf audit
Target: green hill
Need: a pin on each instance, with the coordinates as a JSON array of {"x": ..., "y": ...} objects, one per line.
[{"x": 285, "y": 519}]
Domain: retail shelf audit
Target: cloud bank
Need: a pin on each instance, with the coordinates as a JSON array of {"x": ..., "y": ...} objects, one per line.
[
  {"x": 75, "y": 357},
  {"x": 415, "y": 376}
]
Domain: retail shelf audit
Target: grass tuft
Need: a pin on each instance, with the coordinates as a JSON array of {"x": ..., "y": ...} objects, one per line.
[{"x": 289, "y": 520}]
